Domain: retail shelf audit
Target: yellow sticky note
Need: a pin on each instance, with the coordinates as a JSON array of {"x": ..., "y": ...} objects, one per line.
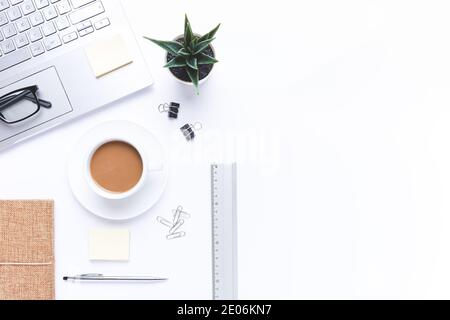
[
  {"x": 109, "y": 244},
  {"x": 108, "y": 54}
]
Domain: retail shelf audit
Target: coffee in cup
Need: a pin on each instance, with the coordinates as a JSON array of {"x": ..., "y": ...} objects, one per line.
[{"x": 116, "y": 166}]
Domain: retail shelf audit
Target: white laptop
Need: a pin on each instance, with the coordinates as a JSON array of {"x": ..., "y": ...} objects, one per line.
[{"x": 81, "y": 55}]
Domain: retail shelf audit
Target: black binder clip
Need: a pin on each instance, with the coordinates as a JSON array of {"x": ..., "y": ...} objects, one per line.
[
  {"x": 188, "y": 130},
  {"x": 171, "y": 108}
]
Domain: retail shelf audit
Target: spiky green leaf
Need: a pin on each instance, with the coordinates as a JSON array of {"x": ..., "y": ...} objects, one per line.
[
  {"x": 188, "y": 34},
  {"x": 193, "y": 75},
  {"x": 192, "y": 63},
  {"x": 210, "y": 34},
  {"x": 202, "y": 45},
  {"x": 194, "y": 42},
  {"x": 179, "y": 61},
  {"x": 183, "y": 52},
  {"x": 169, "y": 46},
  {"x": 205, "y": 59}
]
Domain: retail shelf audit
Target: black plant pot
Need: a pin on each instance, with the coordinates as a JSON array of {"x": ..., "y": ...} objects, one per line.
[{"x": 204, "y": 70}]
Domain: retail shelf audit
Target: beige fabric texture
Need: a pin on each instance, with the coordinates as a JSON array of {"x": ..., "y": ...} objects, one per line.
[{"x": 27, "y": 268}]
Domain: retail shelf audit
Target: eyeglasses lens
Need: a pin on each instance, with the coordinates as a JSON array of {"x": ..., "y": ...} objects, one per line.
[{"x": 18, "y": 106}]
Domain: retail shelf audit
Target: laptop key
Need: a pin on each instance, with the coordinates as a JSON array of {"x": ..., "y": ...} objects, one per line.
[
  {"x": 63, "y": 7},
  {"x": 3, "y": 19},
  {"x": 37, "y": 49},
  {"x": 27, "y": 7},
  {"x": 14, "y": 58},
  {"x": 62, "y": 23},
  {"x": 70, "y": 37},
  {"x": 9, "y": 30},
  {"x": 21, "y": 40},
  {"x": 80, "y": 3},
  {"x": 49, "y": 13},
  {"x": 41, "y": 3},
  {"x": 4, "y": 4},
  {"x": 14, "y": 2},
  {"x": 36, "y": 19},
  {"x": 48, "y": 28},
  {"x": 7, "y": 46},
  {"x": 35, "y": 34},
  {"x": 14, "y": 13},
  {"x": 87, "y": 12},
  {"x": 23, "y": 25},
  {"x": 102, "y": 23},
  {"x": 52, "y": 42},
  {"x": 84, "y": 25},
  {"x": 86, "y": 31}
]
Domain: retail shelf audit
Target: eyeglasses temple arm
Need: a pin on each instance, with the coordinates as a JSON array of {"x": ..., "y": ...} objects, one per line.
[{"x": 42, "y": 102}]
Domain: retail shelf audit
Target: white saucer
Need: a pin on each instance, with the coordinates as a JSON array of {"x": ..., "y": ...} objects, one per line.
[{"x": 136, "y": 204}]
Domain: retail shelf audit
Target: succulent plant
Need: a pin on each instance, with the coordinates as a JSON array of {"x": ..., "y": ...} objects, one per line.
[{"x": 189, "y": 52}]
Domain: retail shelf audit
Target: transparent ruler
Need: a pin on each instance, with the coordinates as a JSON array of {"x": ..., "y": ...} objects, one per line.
[{"x": 224, "y": 231}]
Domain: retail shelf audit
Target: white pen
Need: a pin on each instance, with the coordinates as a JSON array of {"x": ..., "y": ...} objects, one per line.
[{"x": 101, "y": 277}]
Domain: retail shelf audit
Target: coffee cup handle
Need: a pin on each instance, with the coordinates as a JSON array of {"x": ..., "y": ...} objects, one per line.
[{"x": 155, "y": 166}]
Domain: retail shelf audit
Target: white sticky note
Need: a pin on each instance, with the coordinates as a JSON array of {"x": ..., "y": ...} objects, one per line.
[
  {"x": 108, "y": 54},
  {"x": 109, "y": 244}
]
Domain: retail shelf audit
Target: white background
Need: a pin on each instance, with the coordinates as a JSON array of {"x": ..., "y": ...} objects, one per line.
[{"x": 337, "y": 112}]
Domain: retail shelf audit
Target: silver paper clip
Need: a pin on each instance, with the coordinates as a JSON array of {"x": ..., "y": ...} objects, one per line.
[
  {"x": 178, "y": 220},
  {"x": 178, "y": 213}
]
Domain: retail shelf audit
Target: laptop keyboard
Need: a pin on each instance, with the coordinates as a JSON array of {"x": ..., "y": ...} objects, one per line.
[{"x": 30, "y": 28}]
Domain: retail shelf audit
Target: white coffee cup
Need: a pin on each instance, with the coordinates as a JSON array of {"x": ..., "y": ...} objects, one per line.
[{"x": 148, "y": 166}]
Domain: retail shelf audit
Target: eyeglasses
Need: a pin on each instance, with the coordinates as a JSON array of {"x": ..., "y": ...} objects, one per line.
[{"x": 21, "y": 104}]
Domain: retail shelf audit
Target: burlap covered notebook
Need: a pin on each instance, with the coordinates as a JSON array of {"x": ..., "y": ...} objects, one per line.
[{"x": 26, "y": 250}]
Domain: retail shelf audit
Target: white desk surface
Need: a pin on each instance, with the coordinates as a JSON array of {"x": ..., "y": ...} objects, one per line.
[{"x": 338, "y": 114}]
